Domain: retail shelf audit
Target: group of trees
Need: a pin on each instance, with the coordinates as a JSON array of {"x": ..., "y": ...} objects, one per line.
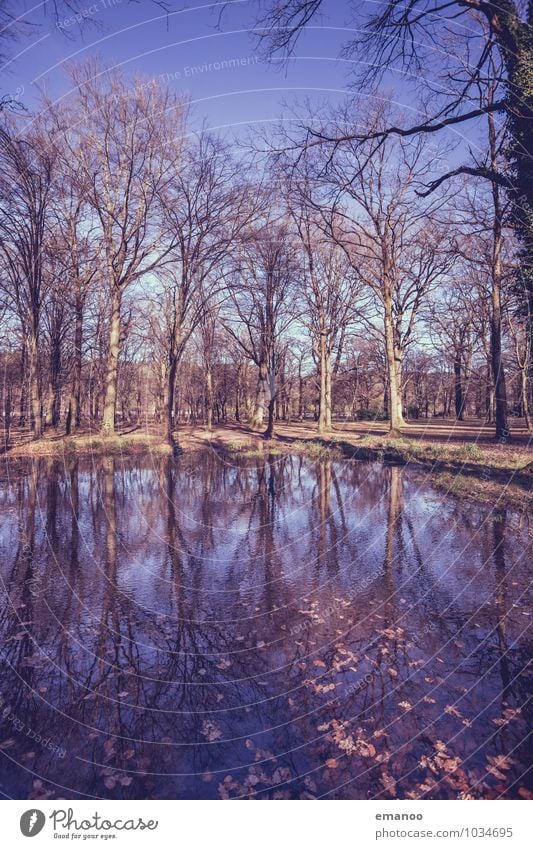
[{"x": 146, "y": 272}]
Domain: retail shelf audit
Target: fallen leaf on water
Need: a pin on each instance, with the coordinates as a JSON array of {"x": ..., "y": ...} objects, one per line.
[
  {"x": 211, "y": 731},
  {"x": 453, "y": 711},
  {"x": 389, "y": 783}
]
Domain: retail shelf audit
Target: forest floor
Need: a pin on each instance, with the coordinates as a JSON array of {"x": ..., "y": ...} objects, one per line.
[{"x": 462, "y": 458}]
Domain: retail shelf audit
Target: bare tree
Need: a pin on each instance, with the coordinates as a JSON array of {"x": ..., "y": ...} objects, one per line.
[
  {"x": 330, "y": 292},
  {"x": 390, "y": 236},
  {"x": 206, "y": 206},
  {"x": 125, "y": 143},
  {"x": 262, "y": 297},
  {"x": 26, "y": 181}
]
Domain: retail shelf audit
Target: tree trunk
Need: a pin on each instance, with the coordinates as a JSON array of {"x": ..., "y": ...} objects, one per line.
[
  {"x": 209, "y": 398},
  {"x": 23, "y": 378},
  {"x": 256, "y": 421},
  {"x": 54, "y": 386},
  {"x": 498, "y": 375},
  {"x": 73, "y": 417},
  {"x": 269, "y": 432},
  {"x": 324, "y": 417},
  {"x": 458, "y": 386},
  {"x": 523, "y": 396},
  {"x": 111, "y": 377},
  {"x": 300, "y": 393},
  {"x": 35, "y": 389},
  {"x": 396, "y": 420},
  {"x": 171, "y": 399}
]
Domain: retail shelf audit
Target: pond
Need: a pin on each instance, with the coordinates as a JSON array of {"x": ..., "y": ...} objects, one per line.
[{"x": 266, "y": 626}]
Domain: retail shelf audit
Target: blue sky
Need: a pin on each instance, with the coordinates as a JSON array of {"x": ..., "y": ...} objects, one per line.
[{"x": 219, "y": 67}]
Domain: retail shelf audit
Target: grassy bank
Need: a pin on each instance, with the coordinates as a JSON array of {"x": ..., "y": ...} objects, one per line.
[
  {"x": 482, "y": 470},
  {"x": 137, "y": 442}
]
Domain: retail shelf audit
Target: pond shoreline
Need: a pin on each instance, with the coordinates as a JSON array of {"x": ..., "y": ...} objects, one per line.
[{"x": 477, "y": 471}]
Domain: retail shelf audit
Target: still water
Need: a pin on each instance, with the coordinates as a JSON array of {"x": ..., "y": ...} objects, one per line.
[{"x": 271, "y": 626}]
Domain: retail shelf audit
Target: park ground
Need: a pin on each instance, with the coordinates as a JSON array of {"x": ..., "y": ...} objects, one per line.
[{"x": 462, "y": 458}]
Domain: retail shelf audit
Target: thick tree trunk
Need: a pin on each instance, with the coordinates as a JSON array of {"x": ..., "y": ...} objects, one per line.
[
  {"x": 498, "y": 375},
  {"x": 256, "y": 421},
  {"x": 324, "y": 417},
  {"x": 111, "y": 377},
  {"x": 35, "y": 389},
  {"x": 171, "y": 399},
  {"x": 269, "y": 432},
  {"x": 396, "y": 420}
]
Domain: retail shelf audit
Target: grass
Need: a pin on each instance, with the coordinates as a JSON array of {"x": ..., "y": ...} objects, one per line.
[
  {"x": 128, "y": 443},
  {"x": 317, "y": 449}
]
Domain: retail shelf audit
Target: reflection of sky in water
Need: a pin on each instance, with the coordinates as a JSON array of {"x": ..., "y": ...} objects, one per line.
[{"x": 258, "y": 597}]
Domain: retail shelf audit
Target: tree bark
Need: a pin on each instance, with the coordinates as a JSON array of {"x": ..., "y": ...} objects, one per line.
[
  {"x": 256, "y": 422},
  {"x": 35, "y": 388},
  {"x": 458, "y": 386},
  {"x": 111, "y": 377},
  {"x": 498, "y": 374},
  {"x": 73, "y": 417},
  {"x": 171, "y": 399},
  {"x": 209, "y": 398},
  {"x": 396, "y": 420},
  {"x": 324, "y": 417},
  {"x": 524, "y": 396},
  {"x": 269, "y": 432}
]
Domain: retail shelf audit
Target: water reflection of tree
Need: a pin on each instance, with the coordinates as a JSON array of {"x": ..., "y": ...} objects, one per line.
[{"x": 154, "y": 636}]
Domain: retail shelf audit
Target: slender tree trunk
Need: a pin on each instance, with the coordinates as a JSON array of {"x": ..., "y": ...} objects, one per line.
[
  {"x": 23, "y": 384},
  {"x": 111, "y": 377},
  {"x": 209, "y": 397},
  {"x": 458, "y": 386},
  {"x": 7, "y": 411},
  {"x": 524, "y": 396},
  {"x": 54, "y": 385},
  {"x": 300, "y": 393}
]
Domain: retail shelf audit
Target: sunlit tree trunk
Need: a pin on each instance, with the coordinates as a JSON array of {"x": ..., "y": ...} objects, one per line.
[
  {"x": 498, "y": 374},
  {"x": 396, "y": 420},
  {"x": 269, "y": 432},
  {"x": 324, "y": 417},
  {"x": 209, "y": 398},
  {"x": 256, "y": 421},
  {"x": 35, "y": 388},
  {"x": 458, "y": 387},
  {"x": 111, "y": 376}
]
